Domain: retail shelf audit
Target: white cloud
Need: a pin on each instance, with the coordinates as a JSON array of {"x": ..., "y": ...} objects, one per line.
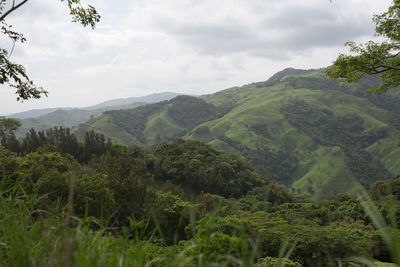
[{"x": 192, "y": 46}]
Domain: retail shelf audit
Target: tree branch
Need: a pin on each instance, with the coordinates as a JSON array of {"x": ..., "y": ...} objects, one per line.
[
  {"x": 391, "y": 68},
  {"x": 392, "y": 56},
  {"x": 13, "y": 8}
]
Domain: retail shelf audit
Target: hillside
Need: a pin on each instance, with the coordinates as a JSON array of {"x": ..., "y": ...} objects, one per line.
[
  {"x": 67, "y": 117},
  {"x": 297, "y": 128},
  {"x": 109, "y": 104}
]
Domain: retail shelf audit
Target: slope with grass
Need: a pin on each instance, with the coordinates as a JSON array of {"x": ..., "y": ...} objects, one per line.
[
  {"x": 150, "y": 124},
  {"x": 42, "y": 119},
  {"x": 297, "y": 128}
]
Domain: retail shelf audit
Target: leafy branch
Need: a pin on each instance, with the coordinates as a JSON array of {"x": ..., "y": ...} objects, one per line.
[
  {"x": 15, "y": 74},
  {"x": 374, "y": 58}
]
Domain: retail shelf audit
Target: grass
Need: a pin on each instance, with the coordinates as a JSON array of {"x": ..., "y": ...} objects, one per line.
[
  {"x": 263, "y": 104},
  {"x": 31, "y": 237},
  {"x": 327, "y": 174},
  {"x": 388, "y": 232},
  {"x": 160, "y": 127},
  {"x": 388, "y": 152},
  {"x": 384, "y": 264},
  {"x": 104, "y": 124}
]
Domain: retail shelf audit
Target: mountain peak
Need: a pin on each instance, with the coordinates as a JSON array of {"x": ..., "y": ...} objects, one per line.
[{"x": 288, "y": 71}]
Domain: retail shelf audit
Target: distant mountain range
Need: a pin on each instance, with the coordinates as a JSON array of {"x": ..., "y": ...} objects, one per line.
[
  {"x": 298, "y": 128},
  {"x": 41, "y": 119},
  {"x": 118, "y": 102},
  {"x": 153, "y": 98},
  {"x": 33, "y": 113}
]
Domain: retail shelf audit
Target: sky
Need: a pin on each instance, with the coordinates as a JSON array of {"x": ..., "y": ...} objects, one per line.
[{"x": 193, "y": 47}]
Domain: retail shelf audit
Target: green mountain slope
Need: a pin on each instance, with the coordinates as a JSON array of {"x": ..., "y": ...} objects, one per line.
[
  {"x": 297, "y": 128},
  {"x": 65, "y": 118},
  {"x": 68, "y": 117},
  {"x": 150, "y": 124}
]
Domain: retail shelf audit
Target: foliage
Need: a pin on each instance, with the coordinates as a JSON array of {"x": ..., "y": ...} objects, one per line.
[
  {"x": 275, "y": 165},
  {"x": 270, "y": 261},
  {"x": 130, "y": 180},
  {"x": 120, "y": 218},
  {"x": 191, "y": 111},
  {"x": 7, "y": 133},
  {"x": 93, "y": 196},
  {"x": 171, "y": 214},
  {"x": 63, "y": 140},
  {"x": 380, "y": 58},
  {"x": 201, "y": 168},
  {"x": 346, "y": 132},
  {"x": 15, "y": 74}
]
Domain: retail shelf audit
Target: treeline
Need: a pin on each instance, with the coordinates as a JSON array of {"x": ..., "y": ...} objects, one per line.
[
  {"x": 121, "y": 175},
  {"x": 65, "y": 142}
]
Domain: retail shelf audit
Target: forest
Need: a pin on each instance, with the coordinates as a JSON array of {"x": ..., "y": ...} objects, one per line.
[{"x": 182, "y": 203}]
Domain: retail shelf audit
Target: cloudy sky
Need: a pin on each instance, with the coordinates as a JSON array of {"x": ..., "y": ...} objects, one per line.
[{"x": 186, "y": 46}]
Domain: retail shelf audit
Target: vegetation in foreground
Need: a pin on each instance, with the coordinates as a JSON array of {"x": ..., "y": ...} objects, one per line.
[{"x": 179, "y": 204}]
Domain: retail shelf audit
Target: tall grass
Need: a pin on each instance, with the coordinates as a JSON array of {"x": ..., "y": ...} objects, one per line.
[
  {"x": 389, "y": 233},
  {"x": 30, "y": 237}
]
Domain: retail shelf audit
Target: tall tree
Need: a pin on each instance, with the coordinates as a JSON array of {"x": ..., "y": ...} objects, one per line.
[
  {"x": 381, "y": 58},
  {"x": 7, "y": 133},
  {"x": 14, "y": 74}
]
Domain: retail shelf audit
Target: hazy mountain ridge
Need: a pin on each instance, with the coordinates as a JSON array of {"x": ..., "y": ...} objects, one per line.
[
  {"x": 34, "y": 113},
  {"x": 152, "y": 98},
  {"x": 67, "y": 117},
  {"x": 109, "y": 104},
  {"x": 298, "y": 128}
]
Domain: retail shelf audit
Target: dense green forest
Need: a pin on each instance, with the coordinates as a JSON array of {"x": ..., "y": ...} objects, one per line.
[{"x": 181, "y": 203}]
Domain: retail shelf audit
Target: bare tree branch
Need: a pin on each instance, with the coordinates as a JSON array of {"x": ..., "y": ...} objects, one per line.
[{"x": 13, "y": 8}]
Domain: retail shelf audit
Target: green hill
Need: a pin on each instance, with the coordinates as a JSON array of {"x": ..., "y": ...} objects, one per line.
[
  {"x": 42, "y": 119},
  {"x": 298, "y": 128},
  {"x": 65, "y": 118}
]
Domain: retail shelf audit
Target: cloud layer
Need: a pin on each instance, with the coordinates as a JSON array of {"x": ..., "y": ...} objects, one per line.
[{"x": 187, "y": 46}]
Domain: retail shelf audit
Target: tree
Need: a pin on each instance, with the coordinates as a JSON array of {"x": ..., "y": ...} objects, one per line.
[
  {"x": 381, "y": 58},
  {"x": 15, "y": 74},
  {"x": 7, "y": 133}
]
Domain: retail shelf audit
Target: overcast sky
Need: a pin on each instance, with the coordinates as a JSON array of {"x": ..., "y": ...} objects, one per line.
[{"x": 186, "y": 46}]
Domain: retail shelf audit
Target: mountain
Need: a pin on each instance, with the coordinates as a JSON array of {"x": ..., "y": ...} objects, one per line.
[
  {"x": 150, "y": 124},
  {"x": 42, "y": 119},
  {"x": 297, "y": 128},
  {"x": 109, "y": 104},
  {"x": 65, "y": 118},
  {"x": 33, "y": 113},
  {"x": 153, "y": 98}
]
